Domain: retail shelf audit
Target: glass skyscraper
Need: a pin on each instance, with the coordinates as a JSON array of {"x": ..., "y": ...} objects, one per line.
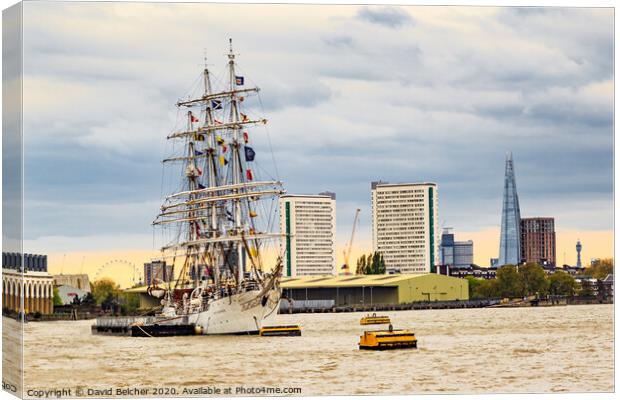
[
  {"x": 455, "y": 253},
  {"x": 510, "y": 237}
]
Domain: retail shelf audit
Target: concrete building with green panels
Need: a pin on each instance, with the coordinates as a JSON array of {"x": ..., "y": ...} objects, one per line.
[
  {"x": 309, "y": 222},
  {"x": 376, "y": 289},
  {"x": 405, "y": 228}
]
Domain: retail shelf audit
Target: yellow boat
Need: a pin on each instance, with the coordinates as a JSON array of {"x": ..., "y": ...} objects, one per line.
[
  {"x": 387, "y": 340},
  {"x": 283, "y": 330},
  {"x": 374, "y": 319}
]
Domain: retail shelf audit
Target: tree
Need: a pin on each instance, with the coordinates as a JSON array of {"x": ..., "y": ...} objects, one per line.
[
  {"x": 562, "y": 284},
  {"x": 509, "y": 282},
  {"x": 600, "y": 268},
  {"x": 361, "y": 266},
  {"x": 482, "y": 288},
  {"x": 105, "y": 291},
  {"x": 487, "y": 289},
  {"x": 473, "y": 284},
  {"x": 130, "y": 303},
  {"x": 371, "y": 264},
  {"x": 88, "y": 299},
  {"x": 533, "y": 280},
  {"x": 56, "y": 299},
  {"x": 378, "y": 265}
]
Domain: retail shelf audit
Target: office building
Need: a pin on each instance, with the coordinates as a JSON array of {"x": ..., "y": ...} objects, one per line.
[
  {"x": 456, "y": 253},
  {"x": 510, "y": 236},
  {"x": 404, "y": 226},
  {"x": 538, "y": 240},
  {"x": 309, "y": 222},
  {"x": 157, "y": 272}
]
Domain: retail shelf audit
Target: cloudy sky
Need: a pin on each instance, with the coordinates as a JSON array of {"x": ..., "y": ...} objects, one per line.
[{"x": 353, "y": 94}]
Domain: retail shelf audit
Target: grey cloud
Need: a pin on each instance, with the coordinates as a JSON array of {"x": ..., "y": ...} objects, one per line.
[
  {"x": 339, "y": 41},
  {"x": 555, "y": 114},
  {"x": 87, "y": 219},
  {"x": 585, "y": 40},
  {"x": 295, "y": 95},
  {"x": 549, "y": 114},
  {"x": 392, "y": 17},
  {"x": 529, "y": 11},
  {"x": 372, "y": 64},
  {"x": 348, "y": 103}
]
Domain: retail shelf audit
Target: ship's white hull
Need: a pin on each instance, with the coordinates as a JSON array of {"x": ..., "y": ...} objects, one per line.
[{"x": 240, "y": 313}]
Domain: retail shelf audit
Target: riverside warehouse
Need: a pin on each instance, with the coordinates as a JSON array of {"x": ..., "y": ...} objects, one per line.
[{"x": 349, "y": 290}]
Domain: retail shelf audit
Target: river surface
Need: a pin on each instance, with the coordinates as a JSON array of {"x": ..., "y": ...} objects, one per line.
[{"x": 546, "y": 349}]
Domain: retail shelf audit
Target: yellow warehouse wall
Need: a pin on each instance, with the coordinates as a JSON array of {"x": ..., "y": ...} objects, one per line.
[{"x": 433, "y": 287}]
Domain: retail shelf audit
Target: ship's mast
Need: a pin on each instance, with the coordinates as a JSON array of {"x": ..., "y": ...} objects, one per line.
[
  {"x": 235, "y": 159},
  {"x": 216, "y": 206},
  {"x": 211, "y": 174},
  {"x": 191, "y": 173}
]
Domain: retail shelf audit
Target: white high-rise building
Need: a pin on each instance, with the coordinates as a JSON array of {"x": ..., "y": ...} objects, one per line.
[
  {"x": 309, "y": 223},
  {"x": 405, "y": 225}
]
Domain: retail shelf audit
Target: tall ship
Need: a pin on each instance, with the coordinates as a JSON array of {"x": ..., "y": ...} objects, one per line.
[{"x": 218, "y": 222}]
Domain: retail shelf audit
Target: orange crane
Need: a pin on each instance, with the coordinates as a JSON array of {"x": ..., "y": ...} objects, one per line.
[{"x": 347, "y": 251}]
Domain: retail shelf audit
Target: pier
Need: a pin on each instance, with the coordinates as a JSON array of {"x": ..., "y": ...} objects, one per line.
[
  {"x": 144, "y": 326},
  {"x": 294, "y": 307}
]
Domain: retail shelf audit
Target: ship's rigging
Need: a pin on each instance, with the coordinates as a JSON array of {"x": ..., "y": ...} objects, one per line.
[{"x": 216, "y": 214}]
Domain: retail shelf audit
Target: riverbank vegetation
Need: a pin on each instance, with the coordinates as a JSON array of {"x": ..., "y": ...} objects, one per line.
[
  {"x": 372, "y": 264},
  {"x": 110, "y": 297},
  {"x": 600, "y": 268},
  {"x": 525, "y": 280}
]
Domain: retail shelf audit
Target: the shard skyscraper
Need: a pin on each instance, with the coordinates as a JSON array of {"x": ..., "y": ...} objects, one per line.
[{"x": 510, "y": 239}]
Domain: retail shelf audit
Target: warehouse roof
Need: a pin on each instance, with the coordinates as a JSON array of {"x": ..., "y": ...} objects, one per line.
[
  {"x": 346, "y": 280},
  {"x": 321, "y": 281},
  {"x": 138, "y": 289}
]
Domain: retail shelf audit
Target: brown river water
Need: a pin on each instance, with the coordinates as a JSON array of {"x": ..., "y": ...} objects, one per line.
[{"x": 547, "y": 349}]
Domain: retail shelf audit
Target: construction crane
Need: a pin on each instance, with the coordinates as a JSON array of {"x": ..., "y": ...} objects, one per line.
[{"x": 347, "y": 251}]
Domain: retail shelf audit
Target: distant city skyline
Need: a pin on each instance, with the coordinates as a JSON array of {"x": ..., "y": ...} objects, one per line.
[{"x": 358, "y": 94}]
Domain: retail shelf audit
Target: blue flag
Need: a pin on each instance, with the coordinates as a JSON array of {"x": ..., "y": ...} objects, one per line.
[
  {"x": 249, "y": 153},
  {"x": 216, "y": 104},
  {"x": 239, "y": 80},
  {"x": 198, "y": 153},
  {"x": 201, "y": 186}
]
